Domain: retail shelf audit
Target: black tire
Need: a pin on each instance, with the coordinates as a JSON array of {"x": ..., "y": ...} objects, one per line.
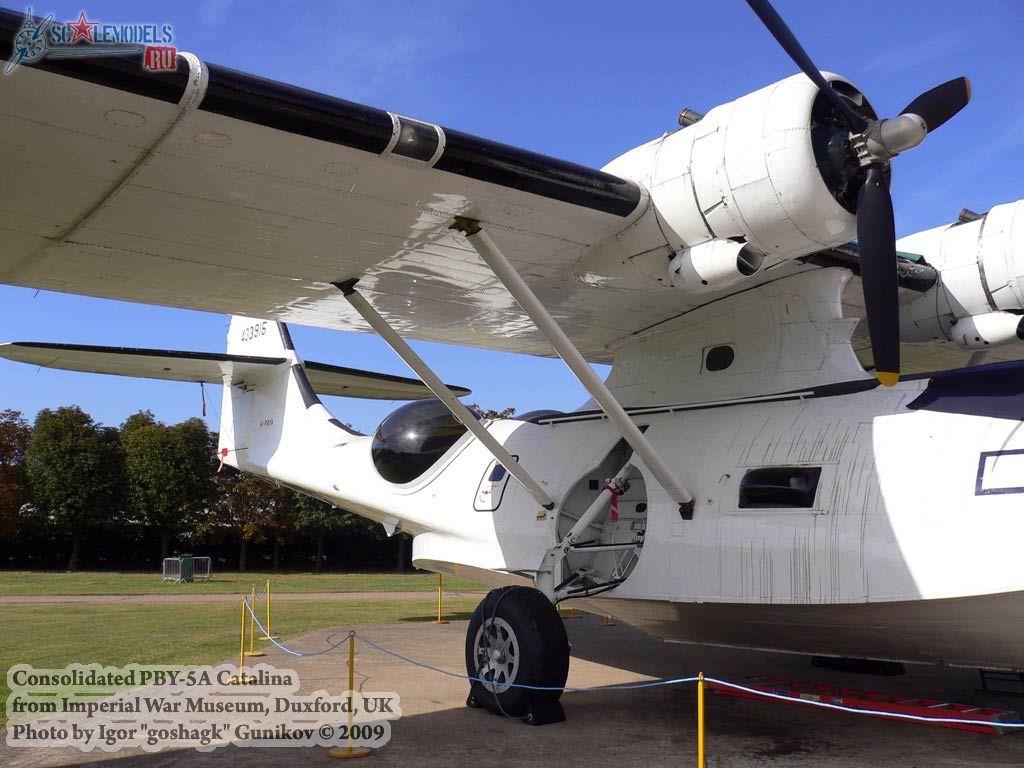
[{"x": 543, "y": 650}]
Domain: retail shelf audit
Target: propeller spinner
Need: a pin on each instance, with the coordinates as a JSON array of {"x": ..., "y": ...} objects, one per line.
[{"x": 874, "y": 143}]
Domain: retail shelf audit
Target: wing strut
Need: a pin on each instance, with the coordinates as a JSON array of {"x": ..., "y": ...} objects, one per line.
[
  {"x": 441, "y": 390},
  {"x": 506, "y": 273}
]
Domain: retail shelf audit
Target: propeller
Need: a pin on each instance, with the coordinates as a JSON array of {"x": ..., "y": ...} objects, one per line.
[
  {"x": 941, "y": 102},
  {"x": 874, "y": 143}
]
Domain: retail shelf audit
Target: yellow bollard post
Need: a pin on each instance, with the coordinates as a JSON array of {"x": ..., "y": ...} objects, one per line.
[
  {"x": 269, "y": 635},
  {"x": 569, "y": 614},
  {"x": 700, "y": 720},
  {"x": 350, "y": 750},
  {"x": 239, "y": 678},
  {"x": 252, "y": 626},
  {"x": 440, "y": 589},
  {"x": 607, "y": 622},
  {"x": 266, "y": 595}
]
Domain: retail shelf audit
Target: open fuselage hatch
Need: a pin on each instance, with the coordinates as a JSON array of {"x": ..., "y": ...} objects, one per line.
[{"x": 625, "y": 524}]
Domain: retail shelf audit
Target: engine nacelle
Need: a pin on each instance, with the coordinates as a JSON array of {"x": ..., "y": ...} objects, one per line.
[
  {"x": 981, "y": 285},
  {"x": 989, "y": 330},
  {"x": 772, "y": 169},
  {"x": 749, "y": 169},
  {"x": 713, "y": 265}
]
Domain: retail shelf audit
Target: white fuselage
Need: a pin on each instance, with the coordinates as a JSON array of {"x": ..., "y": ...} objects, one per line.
[
  {"x": 907, "y": 547},
  {"x": 897, "y": 516}
]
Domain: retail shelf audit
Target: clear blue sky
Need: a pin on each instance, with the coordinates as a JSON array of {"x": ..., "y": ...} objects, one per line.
[{"x": 583, "y": 81}]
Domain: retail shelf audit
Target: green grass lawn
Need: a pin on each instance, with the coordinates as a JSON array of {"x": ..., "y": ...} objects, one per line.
[
  {"x": 178, "y": 633},
  {"x": 229, "y": 582}
]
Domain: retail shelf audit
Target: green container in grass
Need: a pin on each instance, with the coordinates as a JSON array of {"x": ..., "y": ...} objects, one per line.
[{"x": 187, "y": 575}]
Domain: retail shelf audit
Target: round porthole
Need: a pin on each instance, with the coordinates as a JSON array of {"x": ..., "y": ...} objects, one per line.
[{"x": 719, "y": 358}]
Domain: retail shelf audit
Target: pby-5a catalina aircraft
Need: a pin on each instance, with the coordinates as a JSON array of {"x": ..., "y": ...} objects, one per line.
[{"x": 739, "y": 479}]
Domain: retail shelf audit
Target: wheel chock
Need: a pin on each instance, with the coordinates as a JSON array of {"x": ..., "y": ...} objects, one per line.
[{"x": 544, "y": 713}]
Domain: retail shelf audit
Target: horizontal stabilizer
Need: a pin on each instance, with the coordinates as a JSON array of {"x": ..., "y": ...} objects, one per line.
[{"x": 212, "y": 368}]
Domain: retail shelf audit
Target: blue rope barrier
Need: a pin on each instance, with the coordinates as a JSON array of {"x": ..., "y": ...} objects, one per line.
[
  {"x": 571, "y": 689},
  {"x": 468, "y": 678},
  {"x": 285, "y": 648},
  {"x": 634, "y": 686}
]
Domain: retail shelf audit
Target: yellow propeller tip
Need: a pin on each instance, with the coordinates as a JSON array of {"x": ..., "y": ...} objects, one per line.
[{"x": 887, "y": 379}]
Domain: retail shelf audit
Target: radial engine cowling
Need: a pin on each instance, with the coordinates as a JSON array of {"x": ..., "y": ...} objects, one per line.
[
  {"x": 981, "y": 290},
  {"x": 772, "y": 169},
  {"x": 762, "y": 168}
]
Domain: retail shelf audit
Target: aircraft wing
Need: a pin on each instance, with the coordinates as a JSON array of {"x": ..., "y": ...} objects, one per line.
[
  {"x": 211, "y": 189},
  {"x": 239, "y": 195},
  {"x": 212, "y": 368}
]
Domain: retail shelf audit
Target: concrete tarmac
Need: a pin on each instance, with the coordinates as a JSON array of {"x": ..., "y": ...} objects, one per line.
[{"x": 651, "y": 727}]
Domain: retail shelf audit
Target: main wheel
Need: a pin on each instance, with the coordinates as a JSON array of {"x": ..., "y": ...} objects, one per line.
[{"x": 515, "y": 638}]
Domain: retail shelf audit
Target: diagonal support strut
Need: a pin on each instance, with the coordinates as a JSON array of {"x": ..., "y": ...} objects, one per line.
[
  {"x": 441, "y": 391},
  {"x": 521, "y": 292}
]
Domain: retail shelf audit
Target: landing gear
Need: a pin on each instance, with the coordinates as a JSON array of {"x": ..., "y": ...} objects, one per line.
[{"x": 517, "y": 638}]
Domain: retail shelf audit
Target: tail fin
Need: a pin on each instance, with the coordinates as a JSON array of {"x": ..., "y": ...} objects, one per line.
[
  {"x": 258, "y": 338},
  {"x": 269, "y": 425}
]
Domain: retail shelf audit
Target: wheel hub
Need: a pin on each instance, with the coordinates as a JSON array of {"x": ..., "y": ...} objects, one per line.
[{"x": 497, "y": 654}]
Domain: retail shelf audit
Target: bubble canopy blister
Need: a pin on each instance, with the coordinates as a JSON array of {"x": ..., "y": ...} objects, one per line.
[{"x": 412, "y": 439}]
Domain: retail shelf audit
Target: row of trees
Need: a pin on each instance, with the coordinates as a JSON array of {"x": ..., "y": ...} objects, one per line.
[{"x": 67, "y": 479}]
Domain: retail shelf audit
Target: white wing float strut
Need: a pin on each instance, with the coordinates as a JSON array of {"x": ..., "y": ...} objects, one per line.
[
  {"x": 443, "y": 393},
  {"x": 506, "y": 273}
]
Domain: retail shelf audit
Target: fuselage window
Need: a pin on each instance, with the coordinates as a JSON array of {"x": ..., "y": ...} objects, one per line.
[
  {"x": 779, "y": 487},
  {"x": 718, "y": 358},
  {"x": 492, "y": 487}
]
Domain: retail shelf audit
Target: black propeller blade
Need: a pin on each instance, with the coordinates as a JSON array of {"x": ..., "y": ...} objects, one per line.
[
  {"x": 876, "y": 232},
  {"x": 876, "y": 239},
  {"x": 771, "y": 19},
  {"x": 941, "y": 102}
]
